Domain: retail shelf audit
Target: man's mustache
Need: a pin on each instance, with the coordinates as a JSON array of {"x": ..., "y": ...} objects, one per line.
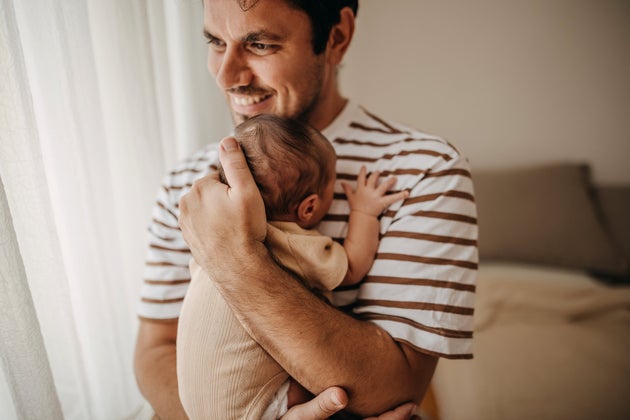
[{"x": 247, "y": 90}]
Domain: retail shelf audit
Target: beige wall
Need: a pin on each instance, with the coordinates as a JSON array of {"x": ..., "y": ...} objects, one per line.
[{"x": 509, "y": 82}]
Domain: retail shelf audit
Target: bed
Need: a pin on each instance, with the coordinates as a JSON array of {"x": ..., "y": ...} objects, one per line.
[{"x": 552, "y": 317}]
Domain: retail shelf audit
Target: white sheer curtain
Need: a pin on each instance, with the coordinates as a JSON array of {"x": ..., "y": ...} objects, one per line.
[{"x": 97, "y": 100}]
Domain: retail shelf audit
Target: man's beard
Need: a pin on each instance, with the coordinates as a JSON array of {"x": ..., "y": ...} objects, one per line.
[
  {"x": 304, "y": 111},
  {"x": 303, "y": 114}
]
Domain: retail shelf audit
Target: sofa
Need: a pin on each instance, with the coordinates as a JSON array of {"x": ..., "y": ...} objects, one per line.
[{"x": 552, "y": 314}]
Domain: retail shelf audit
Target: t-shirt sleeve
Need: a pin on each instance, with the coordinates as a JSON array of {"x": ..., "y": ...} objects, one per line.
[
  {"x": 421, "y": 287},
  {"x": 166, "y": 272}
]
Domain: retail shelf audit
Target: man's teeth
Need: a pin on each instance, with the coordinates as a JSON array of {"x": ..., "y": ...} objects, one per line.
[{"x": 247, "y": 100}]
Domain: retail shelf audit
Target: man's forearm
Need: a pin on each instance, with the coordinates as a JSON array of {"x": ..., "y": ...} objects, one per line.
[
  {"x": 317, "y": 344},
  {"x": 156, "y": 374}
]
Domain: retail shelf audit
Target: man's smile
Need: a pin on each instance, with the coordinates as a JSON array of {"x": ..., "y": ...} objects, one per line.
[{"x": 248, "y": 100}]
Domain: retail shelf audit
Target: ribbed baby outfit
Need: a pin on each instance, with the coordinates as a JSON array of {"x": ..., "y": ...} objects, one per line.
[{"x": 222, "y": 372}]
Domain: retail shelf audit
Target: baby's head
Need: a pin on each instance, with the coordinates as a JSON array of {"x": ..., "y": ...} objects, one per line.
[{"x": 293, "y": 165}]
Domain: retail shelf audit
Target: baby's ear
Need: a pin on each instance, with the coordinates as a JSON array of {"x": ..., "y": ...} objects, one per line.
[{"x": 306, "y": 209}]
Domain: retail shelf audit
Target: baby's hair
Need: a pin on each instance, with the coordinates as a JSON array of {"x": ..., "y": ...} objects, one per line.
[{"x": 288, "y": 159}]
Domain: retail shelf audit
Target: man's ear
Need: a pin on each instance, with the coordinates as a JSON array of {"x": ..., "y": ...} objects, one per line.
[
  {"x": 340, "y": 36},
  {"x": 306, "y": 209}
]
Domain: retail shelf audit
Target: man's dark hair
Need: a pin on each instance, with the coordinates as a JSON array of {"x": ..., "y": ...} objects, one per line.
[{"x": 323, "y": 14}]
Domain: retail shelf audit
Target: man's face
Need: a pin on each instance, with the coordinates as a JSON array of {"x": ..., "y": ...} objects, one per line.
[{"x": 263, "y": 59}]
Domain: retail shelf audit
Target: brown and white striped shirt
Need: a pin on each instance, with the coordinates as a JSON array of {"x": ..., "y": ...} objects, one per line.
[{"x": 421, "y": 286}]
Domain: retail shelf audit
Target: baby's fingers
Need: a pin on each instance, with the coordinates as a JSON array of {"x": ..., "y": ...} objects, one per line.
[
  {"x": 361, "y": 177},
  {"x": 386, "y": 185},
  {"x": 390, "y": 199},
  {"x": 347, "y": 188},
  {"x": 373, "y": 179}
]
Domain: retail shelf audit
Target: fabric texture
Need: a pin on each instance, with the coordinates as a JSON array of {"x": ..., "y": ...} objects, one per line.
[
  {"x": 421, "y": 286},
  {"x": 23, "y": 360},
  {"x": 550, "y": 343},
  {"x": 221, "y": 371},
  {"x": 615, "y": 205},
  {"x": 544, "y": 215},
  {"x": 318, "y": 260},
  {"x": 83, "y": 140}
]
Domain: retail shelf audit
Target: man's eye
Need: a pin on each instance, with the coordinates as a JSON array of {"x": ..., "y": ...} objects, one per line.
[
  {"x": 214, "y": 42},
  {"x": 262, "y": 49}
]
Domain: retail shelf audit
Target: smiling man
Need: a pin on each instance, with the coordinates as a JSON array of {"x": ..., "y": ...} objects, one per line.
[
  {"x": 265, "y": 66},
  {"x": 377, "y": 349}
]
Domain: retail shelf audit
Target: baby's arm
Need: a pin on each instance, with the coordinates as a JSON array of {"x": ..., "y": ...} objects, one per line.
[{"x": 367, "y": 202}]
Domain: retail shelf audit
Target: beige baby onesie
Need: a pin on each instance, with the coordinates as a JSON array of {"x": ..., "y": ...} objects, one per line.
[{"x": 222, "y": 372}]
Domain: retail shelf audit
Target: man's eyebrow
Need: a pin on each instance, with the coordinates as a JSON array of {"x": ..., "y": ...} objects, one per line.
[
  {"x": 250, "y": 37},
  {"x": 263, "y": 35}
]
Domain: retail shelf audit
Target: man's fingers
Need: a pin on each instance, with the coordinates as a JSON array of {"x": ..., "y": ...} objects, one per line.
[
  {"x": 200, "y": 185},
  {"x": 403, "y": 412},
  {"x": 324, "y": 405},
  {"x": 237, "y": 173}
]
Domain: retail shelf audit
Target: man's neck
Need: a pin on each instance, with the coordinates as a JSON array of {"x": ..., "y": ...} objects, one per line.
[{"x": 331, "y": 107}]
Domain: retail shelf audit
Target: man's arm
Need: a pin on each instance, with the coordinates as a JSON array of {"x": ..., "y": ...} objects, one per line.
[
  {"x": 333, "y": 400},
  {"x": 155, "y": 364},
  {"x": 155, "y": 368},
  {"x": 318, "y": 345}
]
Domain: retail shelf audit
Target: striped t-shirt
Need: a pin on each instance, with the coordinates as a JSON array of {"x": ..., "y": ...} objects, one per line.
[{"x": 421, "y": 286}]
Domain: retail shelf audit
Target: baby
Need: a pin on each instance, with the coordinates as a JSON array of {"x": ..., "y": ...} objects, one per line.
[{"x": 222, "y": 372}]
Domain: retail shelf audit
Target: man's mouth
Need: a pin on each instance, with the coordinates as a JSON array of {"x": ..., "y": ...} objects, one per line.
[{"x": 248, "y": 100}]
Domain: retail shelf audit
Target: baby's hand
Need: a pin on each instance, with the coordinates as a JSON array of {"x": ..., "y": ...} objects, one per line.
[{"x": 369, "y": 197}]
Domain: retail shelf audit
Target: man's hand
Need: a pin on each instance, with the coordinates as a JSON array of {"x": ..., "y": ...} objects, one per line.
[
  {"x": 324, "y": 405},
  {"x": 403, "y": 412},
  {"x": 209, "y": 201},
  {"x": 333, "y": 400}
]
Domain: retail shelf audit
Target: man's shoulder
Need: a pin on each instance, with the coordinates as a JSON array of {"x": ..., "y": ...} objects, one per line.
[
  {"x": 197, "y": 165},
  {"x": 363, "y": 127},
  {"x": 183, "y": 174}
]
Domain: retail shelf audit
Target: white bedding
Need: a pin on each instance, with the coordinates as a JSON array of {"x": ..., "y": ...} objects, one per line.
[{"x": 549, "y": 344}]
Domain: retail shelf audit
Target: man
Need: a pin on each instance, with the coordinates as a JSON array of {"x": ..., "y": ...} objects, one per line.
[{"x": 281, "y": 57}]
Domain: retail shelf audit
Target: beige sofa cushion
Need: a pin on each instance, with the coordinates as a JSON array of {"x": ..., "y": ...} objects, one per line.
[{"x": 544, "y": 215}]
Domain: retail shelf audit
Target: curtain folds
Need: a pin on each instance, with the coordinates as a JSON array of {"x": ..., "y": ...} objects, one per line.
[
  {"x": 97, "y": 100},
  {"x": 25, "y": 367}
]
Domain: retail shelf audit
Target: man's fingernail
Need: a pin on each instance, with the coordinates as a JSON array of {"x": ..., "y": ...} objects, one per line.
[
  {"x": 229, "y": 144},
  {"x": 335, "y": 400}
]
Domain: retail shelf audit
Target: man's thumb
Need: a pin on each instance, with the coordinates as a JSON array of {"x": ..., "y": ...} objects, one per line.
[
  {"x": 234, "y": 165},
  {"x": 324, "y": 405}
]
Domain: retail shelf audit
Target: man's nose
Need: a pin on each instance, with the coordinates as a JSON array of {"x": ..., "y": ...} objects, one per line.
[{"x": 233, "y": 69}]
